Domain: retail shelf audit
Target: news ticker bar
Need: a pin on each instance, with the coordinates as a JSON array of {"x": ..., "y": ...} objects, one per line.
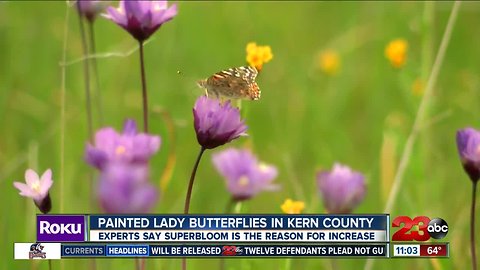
[
  {"x": 421, "y": 250},
  {"x": 213, "y": 228},
  {"x": 59, "y": 251}
]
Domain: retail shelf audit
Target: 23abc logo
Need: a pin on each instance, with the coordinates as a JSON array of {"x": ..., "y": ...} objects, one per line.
[
  {"x": 231, "y": 250},
  {"x": 436, "y": 228}
]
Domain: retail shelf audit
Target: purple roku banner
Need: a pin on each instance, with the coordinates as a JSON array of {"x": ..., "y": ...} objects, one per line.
[{"x": 61, "y": 228}]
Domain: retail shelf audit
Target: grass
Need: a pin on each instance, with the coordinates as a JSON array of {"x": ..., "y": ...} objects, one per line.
[{"x": 305, "y": 120}]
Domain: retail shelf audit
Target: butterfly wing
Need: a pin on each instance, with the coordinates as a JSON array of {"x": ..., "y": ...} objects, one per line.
[
  {"x": 249, "y": 75},
  {"x": 234, "y": 83}
]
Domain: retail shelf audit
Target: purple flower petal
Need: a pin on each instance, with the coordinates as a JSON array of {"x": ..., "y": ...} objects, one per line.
[
  {"x": 106, "y": 138},
  {"x": 124, "y": 188},
  {"x": 37, "y": 188},
  {"x": 117, "y": 15},
  {"x": 24, "y": 189},
  {"x": 232, "y": 163},
  {"x": 144, "y": 146},
  {"x": 95, "y": 157},
  {"x": 46, "y": 182},
  {"x": 159, "y": 5},
  {"x": 130, "y": 127},
  {"x": 216, "y": 124},
  {"x": 143, "y": 199},
  {"x": 89, "y": 8},
  {"x": 468, "y": 144},
  {"x": 245, "y": 176},
  {"x": 342, "y": 189},
  {"x": 136, "y": 9},
  {"x": 165, "y": 15},
  {"x": 267, "y": 173},
  {"x": 127, "y": 147},
  {"x": 31, "y": 177},
  {"x": 46, "y": 176},
  {"x": 141, "y": 18}
]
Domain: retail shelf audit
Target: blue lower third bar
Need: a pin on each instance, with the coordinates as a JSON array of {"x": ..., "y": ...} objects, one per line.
[
  {"x": 127, "y": 251},
  {"x": 83, "y": 250}
]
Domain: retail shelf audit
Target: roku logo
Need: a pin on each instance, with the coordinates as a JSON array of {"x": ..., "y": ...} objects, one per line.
[
  {"x": 46, "y": 227},
  {"x": 56, "y": 228}
]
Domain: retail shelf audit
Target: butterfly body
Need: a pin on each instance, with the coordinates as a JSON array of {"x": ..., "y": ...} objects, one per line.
[{"x": 233, "y": 83}]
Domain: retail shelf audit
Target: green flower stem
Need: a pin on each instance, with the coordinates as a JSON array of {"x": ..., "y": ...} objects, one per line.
[
  {"x": 86, "y": 76},
  {"x": 189, "y": 193},
  {"x": 93, "y": 62},
  {"x": 231, "y": 205},
  {"x": 144, "y": 89}
]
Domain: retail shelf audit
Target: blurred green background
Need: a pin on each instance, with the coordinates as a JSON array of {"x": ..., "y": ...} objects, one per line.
[{"x": 305, "y": 120}]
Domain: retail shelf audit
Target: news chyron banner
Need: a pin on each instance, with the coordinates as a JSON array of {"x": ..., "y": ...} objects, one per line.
[
  {"x": 105, "y": 236},
  {"x": 233, "y": 228},
  {"x": 83, "y": 236}
]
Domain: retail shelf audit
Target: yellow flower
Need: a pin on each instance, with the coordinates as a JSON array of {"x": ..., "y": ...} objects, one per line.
[
  {"x": 396, "y": 52},
  {"x": 418, "y": 87},
  {"x": 258, "y": 55},
  {"x": 292, "y": 207},
  {"x": 329, "y": 62},
  {"x": 251, "y": 47}
]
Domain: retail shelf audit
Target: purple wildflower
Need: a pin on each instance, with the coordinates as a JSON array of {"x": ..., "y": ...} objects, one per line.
[
  {"x": 342, "y": 189},
  {"x": 124, "y": 188},
  {"x": 245, "y": 175},
  {"x": 37, "y": 188},
  {"x": 216, "y": 124},
  {"x": 90, "y": 8},
  {"x": 141, "y": 18},
  {"x": 468, "y": 144},
  {"x": 129, "y": 147}
]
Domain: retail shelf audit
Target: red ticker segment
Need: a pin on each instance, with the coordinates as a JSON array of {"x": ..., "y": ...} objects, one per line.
[{"x": 437, "y": 250}]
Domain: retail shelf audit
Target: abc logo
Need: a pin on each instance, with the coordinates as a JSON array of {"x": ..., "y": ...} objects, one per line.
[{"x": 437, "y": 228}]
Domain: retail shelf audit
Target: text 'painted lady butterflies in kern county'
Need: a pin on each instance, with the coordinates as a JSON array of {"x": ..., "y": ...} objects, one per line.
[{"x": 233, "y": 83}]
